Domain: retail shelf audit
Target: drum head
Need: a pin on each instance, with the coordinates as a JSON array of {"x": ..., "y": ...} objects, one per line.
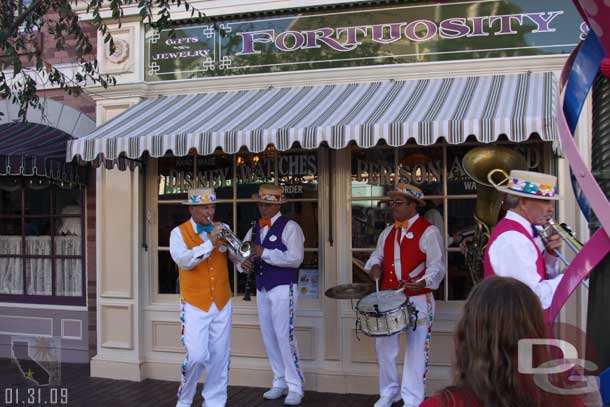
[{"x": 387, "y": 300}]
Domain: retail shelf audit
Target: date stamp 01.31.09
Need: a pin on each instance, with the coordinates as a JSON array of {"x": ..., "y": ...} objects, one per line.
[{"x": 34, "y": 396}]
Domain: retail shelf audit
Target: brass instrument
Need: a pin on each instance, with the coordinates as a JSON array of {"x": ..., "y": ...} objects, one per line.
[
  {"x": 478, "y": 163},
  {"x": 241, "y": 250},
  {"x": 566, "y": 235}
]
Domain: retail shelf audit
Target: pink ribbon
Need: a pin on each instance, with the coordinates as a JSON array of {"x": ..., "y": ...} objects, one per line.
[{"x": 599, "y": 245}]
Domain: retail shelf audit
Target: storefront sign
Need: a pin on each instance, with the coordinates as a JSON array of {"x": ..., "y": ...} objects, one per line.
[
  {"x": 388, "y": 35},
  {"x": 291, "y": 170}
]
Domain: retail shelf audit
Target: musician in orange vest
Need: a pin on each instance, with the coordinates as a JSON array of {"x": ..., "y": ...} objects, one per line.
[
  {"x": 409, "y": 254},
  {"x": 205, "y": 300}
]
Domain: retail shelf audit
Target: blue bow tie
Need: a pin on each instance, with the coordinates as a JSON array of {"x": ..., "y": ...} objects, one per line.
[{"x": 203, "y": 228}]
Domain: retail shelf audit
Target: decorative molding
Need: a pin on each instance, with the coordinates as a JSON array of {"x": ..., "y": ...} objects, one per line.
[
  {"x": 80, "y": 329},
  {"x": 122, "y": 61},
  {"x": 107, "y": 341},
  {"x": 5, "y": 330}
]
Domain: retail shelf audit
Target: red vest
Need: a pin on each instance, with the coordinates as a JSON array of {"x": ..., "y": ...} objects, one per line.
[
  {"x": 411, "y": 256},
  {"x": 506, "y": 225}
]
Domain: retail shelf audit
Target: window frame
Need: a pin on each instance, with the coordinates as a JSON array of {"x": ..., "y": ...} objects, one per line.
[
  {"x": 52, "y": 299},
  {"x": 549, "y": 164},
  {"x": 153, "y": 223}
]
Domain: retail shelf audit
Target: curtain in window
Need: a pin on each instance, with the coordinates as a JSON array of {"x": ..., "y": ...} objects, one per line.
[{"x": 11, "y": 272}]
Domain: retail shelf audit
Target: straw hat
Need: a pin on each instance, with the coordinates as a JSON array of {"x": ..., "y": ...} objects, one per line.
[
  {"x": 269, "y": 193},
  {"x": 408, "y": 191},
  {"x": 200, "y": 196},
  {"x": 527, "y": 184}
]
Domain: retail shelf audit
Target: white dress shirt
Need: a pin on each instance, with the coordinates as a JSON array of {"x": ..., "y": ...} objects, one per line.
[
  {"x": 187, "y": 258},
  {"x": 512, "y": 255},
  {"x": 293, "y": 239},
  {"x": 431, "y": 243}
]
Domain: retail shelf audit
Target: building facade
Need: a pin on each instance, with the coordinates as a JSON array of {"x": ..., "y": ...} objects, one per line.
[{"x": 336, "y": 103}]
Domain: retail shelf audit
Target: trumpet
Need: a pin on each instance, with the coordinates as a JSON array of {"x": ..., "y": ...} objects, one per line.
[
  {"x": 566, "y": 235},
  {"x": 241, "y": 250}
]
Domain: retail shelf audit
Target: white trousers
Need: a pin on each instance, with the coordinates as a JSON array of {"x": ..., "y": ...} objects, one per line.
[
  {"x": 276, "y": 314},
  {"x": 207, "y": 339},
  {"x": 415, "y": 364}
]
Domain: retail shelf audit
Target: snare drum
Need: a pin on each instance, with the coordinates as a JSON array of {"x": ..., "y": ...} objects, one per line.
[{"x": 385, "y": 313}]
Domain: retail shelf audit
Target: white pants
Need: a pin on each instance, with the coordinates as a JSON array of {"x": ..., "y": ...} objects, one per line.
[
  {"x": 276, "y": 313},
  {"x": 416, "y": 357},
  {"x": 207, "y": 339}
]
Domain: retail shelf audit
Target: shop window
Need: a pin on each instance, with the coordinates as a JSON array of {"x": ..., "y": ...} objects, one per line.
[
  {"x": 450, "y": 193},
  {"x": 41, "y": 241},
  {"x": 236, "y": 179}
]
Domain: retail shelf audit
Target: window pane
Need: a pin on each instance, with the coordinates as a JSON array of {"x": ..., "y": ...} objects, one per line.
[
  {"x": 461, "y": 230},
  {"x": 247, "y": 212},
  {"x": 216, "y": 171},
  {"x": 369, "y": 218},
  {"x": 373, "y": 172},
  {"x": 253, "y": 170},
  {"x": 38, "y": 245},
  {"x": 422, "y": 167},
  {"x": 168, "y": 274},
  {"x": 68, "y": 201},
  {"x": 38, "y": 276},
  {"x": 38, "y": 197},
  {"x": 175, "y": 176},
  {"x": 68, "y": 277},
  {"x": 10, "y": 227},
  {"x": 298, "y": 174},
  {"x": 306, "y": 215},
  {"x": 10, "y": 244},
  {"x": 309, "y": 276},
  {"x": 11, "y": 270},
  {"x": 359, "y": 259},
  {"x": 67, "y": 246},
  {"x": 68, "y": 226},
  {"x": 170, "y": 216},
  {"x": 10, "y": 196},
  {"x": 37, "y": 227}
]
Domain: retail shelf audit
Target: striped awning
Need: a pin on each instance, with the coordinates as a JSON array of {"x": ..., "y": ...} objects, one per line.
[
  {"x": 28, "y": 149},
  {"x": 485, "y": 107}
]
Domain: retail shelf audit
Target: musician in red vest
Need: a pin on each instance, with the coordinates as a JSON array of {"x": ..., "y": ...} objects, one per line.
[
  {"x": 514, "y": 248},
  {"x": 409, "y": 254}
]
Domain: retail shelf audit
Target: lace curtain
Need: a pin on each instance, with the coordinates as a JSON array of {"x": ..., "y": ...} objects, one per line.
[{"x": 68, "y": 272}]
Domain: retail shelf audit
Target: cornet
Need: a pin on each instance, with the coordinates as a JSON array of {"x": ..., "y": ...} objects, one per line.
[
  {"x": 564, "y": 232},
  {"x": 241, "y": 250}
]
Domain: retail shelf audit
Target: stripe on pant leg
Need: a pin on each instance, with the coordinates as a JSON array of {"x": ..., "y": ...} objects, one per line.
[
  {"x": 429, "y": 334},
  {"x": 186, "y": 357},
  {"x": 293, "y": 345}
]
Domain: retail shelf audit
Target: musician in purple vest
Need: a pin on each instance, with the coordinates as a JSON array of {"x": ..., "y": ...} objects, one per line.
[
  {"x": 279, "y": 251},
  {"x": 514, "y": 248}
]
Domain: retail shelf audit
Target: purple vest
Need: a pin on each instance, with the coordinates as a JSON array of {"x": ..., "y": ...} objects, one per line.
[{"x": 268, "y": 275}]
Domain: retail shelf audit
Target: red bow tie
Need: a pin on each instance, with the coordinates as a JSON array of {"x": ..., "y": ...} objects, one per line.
[
  {"x": 262, "y": 222},
  {"x": 403, "y": 224}
]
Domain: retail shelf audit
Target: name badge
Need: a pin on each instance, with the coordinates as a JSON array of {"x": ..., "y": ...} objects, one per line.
[
  {"x": 222, "y": 249},
  {"x": 272, "y": 238},
  {"x": 409, "y": 235}
]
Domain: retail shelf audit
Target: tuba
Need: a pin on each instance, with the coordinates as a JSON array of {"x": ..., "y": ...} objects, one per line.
[{"x": 478, "y": 163}]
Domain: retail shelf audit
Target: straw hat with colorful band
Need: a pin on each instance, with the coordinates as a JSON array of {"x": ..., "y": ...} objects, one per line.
[
  {"x": 527, "y": 184},
  {"x": 408, "y": 191},
  {"x": 269, "y": 193},
  {"x": 200, "y": 196}
]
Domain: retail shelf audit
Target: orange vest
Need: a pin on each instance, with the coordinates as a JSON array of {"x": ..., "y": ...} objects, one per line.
[{"x": 207, "y": 282}]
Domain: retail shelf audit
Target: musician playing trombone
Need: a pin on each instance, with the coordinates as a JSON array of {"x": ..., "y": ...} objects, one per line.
[
  {"x": 409, "y": 254},
  {"x": 515, "y": 249},
  {"x": 279, "y": 251},
  {"x": 205, "y": 300}
]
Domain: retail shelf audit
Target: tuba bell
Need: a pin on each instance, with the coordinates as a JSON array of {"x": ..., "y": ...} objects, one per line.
[{"x": 478, "y": 163}]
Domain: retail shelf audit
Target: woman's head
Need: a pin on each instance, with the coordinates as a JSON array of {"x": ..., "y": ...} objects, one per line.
[{"x": 498, "y": 313}]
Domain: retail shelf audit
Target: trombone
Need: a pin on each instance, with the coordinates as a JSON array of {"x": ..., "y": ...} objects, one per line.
[{"x": 566, "y": 235}]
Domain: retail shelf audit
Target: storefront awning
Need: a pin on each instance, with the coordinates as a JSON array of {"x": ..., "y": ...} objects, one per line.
[
  {"x": 28, "y": 149},
  {"x": 426, "y": 110}
]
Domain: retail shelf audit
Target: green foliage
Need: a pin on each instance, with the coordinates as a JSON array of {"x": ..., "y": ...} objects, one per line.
[{"x": 22, "y": 61}]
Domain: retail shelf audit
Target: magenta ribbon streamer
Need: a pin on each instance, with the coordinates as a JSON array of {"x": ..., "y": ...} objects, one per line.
[{"x": 599, "y": 245}]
